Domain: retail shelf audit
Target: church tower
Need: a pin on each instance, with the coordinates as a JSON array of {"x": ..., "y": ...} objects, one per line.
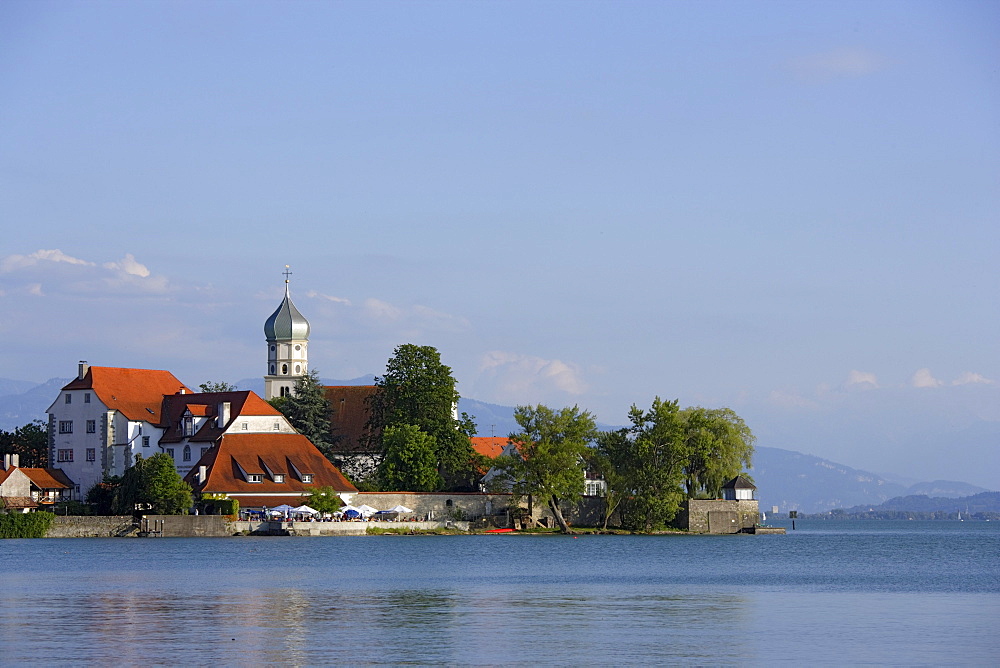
[{"x": 287, "y": 334}]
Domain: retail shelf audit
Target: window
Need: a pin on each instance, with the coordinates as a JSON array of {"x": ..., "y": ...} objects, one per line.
[
  {"x": 187, "y": 453},
  {"x": 272, "y": 349},
  {"x": 285, "y": 392},
  {"x": 91, "y": 454},
  {"x": 170, "y": 451},
  {"x": 279, "y": 477},
  {"x": 189, "y": 426},
  {"x": 69, "y": 398},
  {"x": 203, "y": 451},
  {"x": 272, "y": 369},
  {"x": 91, "y": 426},
  {"x": 448, "y": 503},
  {"x": 277, "y": 426},
  {"x": 244, "y": 426},
  {"x": 64, "y": 455},
  {"x": 145, "y": 441},
  {"x": 86, "y": 398},
  {"x": 284, "y": 369},
  {"x": 307, "y": 477},
  {"x": 255, "y": 477},
  {"x": 66, "y": 427},
  {"x": 298, "y": 368}
]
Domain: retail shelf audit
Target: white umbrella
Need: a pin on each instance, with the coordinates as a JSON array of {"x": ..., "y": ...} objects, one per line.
[
  {"x": 367, "y": 510},
  {"x": 305, "y": 509},
  {"x": 400, "y": 509},
  {"x": 283, "y": 508}
]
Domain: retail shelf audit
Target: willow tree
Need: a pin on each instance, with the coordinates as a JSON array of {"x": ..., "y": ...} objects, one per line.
[
  {"x": 550, "y": 463},
  {"x": 719, "y": 447}
]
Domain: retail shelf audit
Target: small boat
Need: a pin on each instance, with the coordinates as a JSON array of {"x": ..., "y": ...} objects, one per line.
[{"x": 499, "y": 531}]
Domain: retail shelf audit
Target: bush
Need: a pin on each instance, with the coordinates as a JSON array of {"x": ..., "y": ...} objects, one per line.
[{"x": 25, "y": 525}]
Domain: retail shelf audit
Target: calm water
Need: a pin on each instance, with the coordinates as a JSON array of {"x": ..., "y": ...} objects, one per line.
[{"x": 902, "y": 593}]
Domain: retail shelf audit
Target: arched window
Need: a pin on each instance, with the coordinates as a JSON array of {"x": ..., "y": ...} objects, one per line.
[
  {"x": 272, "y": 369},
  {"x": 187, "y": 453},
  {"x": 284, "y": 369},
  {"x": 298, "y": 369}
]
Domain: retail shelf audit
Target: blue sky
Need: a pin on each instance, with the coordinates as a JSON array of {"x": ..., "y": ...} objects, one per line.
[{"x": 787, "y": 208}]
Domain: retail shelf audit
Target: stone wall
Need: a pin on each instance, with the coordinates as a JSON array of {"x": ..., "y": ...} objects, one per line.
[
  {"x": 90, "y": 526},
  {"x": 437, "y": 505},
  {"x": 280, "y": 528},
  {"x": 716, "y": 516},
  {"x": 187, "y": 526}
]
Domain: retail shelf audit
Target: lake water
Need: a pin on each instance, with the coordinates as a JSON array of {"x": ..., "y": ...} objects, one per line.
[{"x": 900, "y": 593}]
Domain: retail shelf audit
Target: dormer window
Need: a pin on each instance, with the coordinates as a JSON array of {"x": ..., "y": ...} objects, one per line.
[
  {"x": 255, "y": 477},
  {"x": 307, "y": 477},
  {"x": 279, "y": 477},
  {"x": 188, "y": 426}
]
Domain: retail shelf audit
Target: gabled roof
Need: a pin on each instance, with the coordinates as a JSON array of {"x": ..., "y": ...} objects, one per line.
[
  {"x": 251, "y": 450},
  {"x": 136, "y": 393},
  {"x": 17, "y": 502},
  {"x": 739, "y": 482},
  {"x": 350, "y": 415},
  {"x": 489, "y": 446},
  {"x": 48, "y": 478},
  {"x": 243, "y": 403}
]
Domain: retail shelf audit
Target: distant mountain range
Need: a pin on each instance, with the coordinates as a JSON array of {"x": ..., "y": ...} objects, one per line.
[{"x": 787, "y": 479}]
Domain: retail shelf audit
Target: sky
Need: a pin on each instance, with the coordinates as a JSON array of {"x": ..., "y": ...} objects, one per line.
[{"x": 787, "y": 208}]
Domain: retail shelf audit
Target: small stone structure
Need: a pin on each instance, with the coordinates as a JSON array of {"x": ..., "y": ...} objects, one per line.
[{"x": 718, "y": 516}]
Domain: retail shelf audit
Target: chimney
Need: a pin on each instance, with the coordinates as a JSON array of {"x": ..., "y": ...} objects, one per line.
[
  {"x": 202, "y": 474},
  {"x": 6, "y": 462},
  {"x": 82, "y": 369},
  {"x": 182, "y": 391},
  {"x": 223, "y": 413}
]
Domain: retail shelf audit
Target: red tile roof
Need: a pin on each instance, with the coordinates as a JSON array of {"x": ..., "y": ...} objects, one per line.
[
  {"x": 206, "y": 404},
  {"x": 48, "y": 478},
  {"x": 284, "y": 453},
  {"x": 350, "y": 415},
  {"x": 137, "y": 393},
  {"x": 17, "y": 502},
  {"x": 489, "y": 446}
]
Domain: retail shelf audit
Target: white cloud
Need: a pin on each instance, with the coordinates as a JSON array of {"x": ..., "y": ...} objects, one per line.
[
  {"x": 380, "y": 310},
  {"x": 507, "y": 377},
  {"x": 969, "y": 378},
  {"x": 923, "y": 378},
  {"x": 128, "y": 265},
  {"x": 15, "y": 262},
  {"x": 330, "y": 298},
  {"x": 862, "y": 379},
  {"x": 848, "y": 61}
]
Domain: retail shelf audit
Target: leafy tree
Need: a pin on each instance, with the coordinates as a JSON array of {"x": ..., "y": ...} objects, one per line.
[
  {"x": 653, "y": 465},
  {"x": 418, "y": 389},
  {"x": 30, "y": 442},
  {"x": 212, "y": 386},
  {"x": 719, "y": 446},
  {"x": 155, "y": 484},
  {"x": 552, "y": 446},
  {"x": 324, "y": 499},
  {"x": 612, "y": 458},
  {"x": 102, "y": 495},
  {"x": 410, "y": 461},
  {"x": 309, "y": 412}
]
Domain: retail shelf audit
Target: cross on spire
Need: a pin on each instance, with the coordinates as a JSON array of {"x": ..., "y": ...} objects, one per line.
[{"x": 287, "y": 272}]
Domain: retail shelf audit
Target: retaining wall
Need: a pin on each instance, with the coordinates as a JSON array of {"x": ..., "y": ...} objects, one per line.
[{"x": 90, "y": 526}]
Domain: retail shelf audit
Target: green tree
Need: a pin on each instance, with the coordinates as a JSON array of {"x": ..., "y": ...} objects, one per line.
[
  {"x": 309, "y": 412},
  {"x": 30, "y": 442},
  {"x": 612, "y": 457},
  {"x": 324, "y": 499},
  {"x": 418, "y": 389},
  {"x": 719, "y": 447},
  {"x": 653, "y": 465},
  {"x": 212, "y": 386},
  {"x": 102, "y": 495},
  {"x": 552, "y": 446},
  {"x": 155, "y": 486},
  {"x": 410, "y": 461}
]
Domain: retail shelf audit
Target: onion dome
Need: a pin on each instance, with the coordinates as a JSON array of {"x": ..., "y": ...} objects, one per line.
[{"x": 286, "y": 323}]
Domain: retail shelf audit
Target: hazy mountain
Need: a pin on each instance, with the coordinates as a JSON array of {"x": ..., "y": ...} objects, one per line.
[
  {"x": 983, "y": 502},
  {"x": 20, "y": 408}
]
